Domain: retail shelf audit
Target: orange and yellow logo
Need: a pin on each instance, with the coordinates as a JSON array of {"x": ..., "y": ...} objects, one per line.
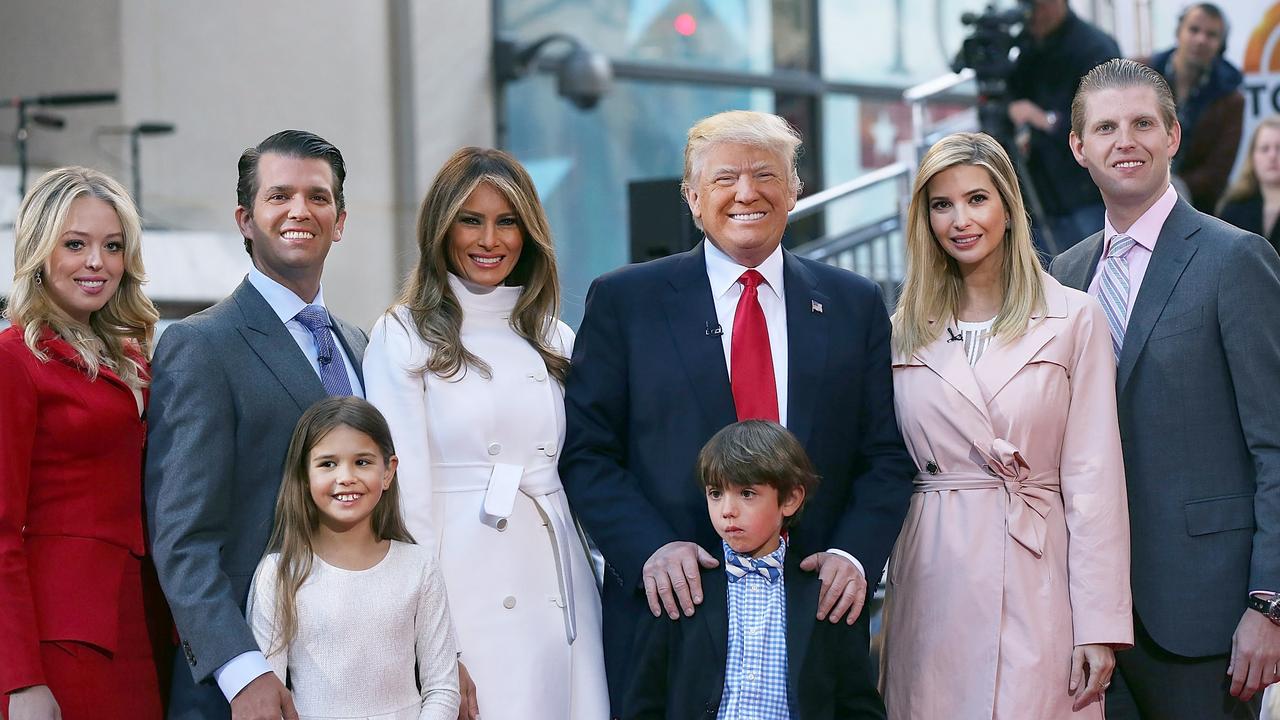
[{"x": 1263, "y": 52}]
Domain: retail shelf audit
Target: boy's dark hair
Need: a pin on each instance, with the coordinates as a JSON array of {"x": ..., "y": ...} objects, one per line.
[
  {"x": 757, "y": 452},
  {"x": 289, "y": 143}
]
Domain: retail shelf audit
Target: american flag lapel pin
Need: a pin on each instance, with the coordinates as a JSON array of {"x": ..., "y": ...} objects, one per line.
[{"x": 815, "y": 306}]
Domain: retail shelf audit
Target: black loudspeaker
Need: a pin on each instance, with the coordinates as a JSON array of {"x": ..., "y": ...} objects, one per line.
[{"x": 660, "y": 222}]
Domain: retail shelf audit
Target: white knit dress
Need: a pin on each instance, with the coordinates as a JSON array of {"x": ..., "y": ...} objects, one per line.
[{"x": 360, "y": 633}]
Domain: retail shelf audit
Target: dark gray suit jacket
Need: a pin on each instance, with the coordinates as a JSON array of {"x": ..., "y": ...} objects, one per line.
[
  {"x": 229, "y": 385},
  {"x": 1197, "y": 384}
]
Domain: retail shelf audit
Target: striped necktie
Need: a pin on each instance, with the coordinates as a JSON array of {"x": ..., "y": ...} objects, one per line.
[{"x": 1113, "y": 291}]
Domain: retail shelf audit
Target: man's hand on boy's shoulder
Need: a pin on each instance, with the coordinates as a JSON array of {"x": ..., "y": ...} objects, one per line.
[
  {"x": 672, "y": 579},
  {"x": 844, "y": 588}
]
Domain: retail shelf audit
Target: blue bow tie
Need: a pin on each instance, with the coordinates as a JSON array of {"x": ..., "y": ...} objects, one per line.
[{"x": 739, "y": 566}]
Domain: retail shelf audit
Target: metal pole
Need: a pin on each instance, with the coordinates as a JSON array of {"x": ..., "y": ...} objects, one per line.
[
  {"x": 20, "y": 139},
  {"x": 137, "y": 169}
]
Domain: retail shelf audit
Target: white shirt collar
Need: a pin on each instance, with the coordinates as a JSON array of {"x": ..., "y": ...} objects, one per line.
[
  {"x": 723, "y": 271},
  {"x": 283, "y": 301}
]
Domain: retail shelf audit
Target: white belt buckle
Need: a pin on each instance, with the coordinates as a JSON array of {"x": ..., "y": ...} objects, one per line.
[{"x": 500, "y": 496}]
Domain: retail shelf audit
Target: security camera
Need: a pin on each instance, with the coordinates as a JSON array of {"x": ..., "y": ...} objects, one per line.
[{"x": 584, "y": 77}]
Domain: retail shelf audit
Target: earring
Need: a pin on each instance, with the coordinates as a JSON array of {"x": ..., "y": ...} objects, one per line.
[{"x": 39, "y": 279}]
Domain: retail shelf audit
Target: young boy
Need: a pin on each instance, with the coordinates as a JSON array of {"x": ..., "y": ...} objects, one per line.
[{"x": 754, "y": 648}]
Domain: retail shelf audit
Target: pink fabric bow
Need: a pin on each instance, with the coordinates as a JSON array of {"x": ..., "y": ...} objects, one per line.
[{"x": 1030, "y": 499}]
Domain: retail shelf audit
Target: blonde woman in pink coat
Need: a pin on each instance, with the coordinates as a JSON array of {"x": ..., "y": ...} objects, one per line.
[{"x": 1009, "y": 584}]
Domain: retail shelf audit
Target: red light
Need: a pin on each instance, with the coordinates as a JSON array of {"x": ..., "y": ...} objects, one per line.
[{"x": 685, "y": 24}]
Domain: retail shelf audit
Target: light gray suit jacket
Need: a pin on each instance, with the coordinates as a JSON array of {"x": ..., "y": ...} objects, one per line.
[
  {"x": 229, "y": 385},
  {"x": 1198, "y": 384}
]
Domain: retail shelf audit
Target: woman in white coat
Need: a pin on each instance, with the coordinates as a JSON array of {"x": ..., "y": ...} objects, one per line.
[{"x": 468, "y": 369}]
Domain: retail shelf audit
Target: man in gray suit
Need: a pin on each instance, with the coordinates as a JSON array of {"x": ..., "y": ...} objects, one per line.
[
  {"x": 1191, "y": 302},
  {"x": 229, "y": 384}
]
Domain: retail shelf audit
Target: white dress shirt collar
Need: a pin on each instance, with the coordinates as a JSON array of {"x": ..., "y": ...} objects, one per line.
[
  {"x": 723, "y": 271},
  {"x": 283, "y": 301}
]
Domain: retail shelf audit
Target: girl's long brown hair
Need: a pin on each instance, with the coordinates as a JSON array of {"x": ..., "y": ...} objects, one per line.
[
  {"x": 436, "y": 313},
  {"x": 296, "y": 515}
]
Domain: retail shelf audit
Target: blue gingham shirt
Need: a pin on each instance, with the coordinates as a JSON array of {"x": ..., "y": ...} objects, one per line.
[{"x": 755, "y": 673}]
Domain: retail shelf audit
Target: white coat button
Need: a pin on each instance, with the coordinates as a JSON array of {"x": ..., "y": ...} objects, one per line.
[
  {"x": 538, "y": 376},
  {"x": 549, "y": 450},
  {"x": 509, "y": 602},
  {"x": 501, "y": 524},
  {"x": 495, "y": 448}
]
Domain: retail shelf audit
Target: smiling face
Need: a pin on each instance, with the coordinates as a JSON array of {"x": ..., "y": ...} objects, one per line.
[
  {"x": 87, "y": 263},
  {"x": 742, "y": 196},
  {"x": 1199, "y": 38},
  {"x": 1126, "y": 148},
  {"x": 749, "y": 517},
  {"x": 967, "y": 217},
  {"x": 347, "y": 475},
  {"x": 485, "y": 238},
  {"x": 1266, "y": 156},
  {"x": 294, "y": 221}
]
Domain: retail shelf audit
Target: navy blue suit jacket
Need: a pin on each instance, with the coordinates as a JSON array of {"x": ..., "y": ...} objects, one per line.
[
  {"x": 680, "y": 664},
  {"x": 649, "y": 387}
]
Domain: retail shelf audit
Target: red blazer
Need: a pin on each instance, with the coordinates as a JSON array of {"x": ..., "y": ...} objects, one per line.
[{"x": 70, "y": 502}]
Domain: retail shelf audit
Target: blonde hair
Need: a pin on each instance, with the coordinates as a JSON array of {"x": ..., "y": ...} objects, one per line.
[
  {"x": 127, "y": 320},
  {"x": 931, "y": 291},
  {"x": 297, "y": 517},
  {"x": 1246, "y": 183},
  {"x": 741, "y": 127},
  {"x": 436, "y": 313}
]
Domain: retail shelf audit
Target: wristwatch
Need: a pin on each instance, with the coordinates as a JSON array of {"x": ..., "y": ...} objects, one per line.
[{"x": 1270, "y": 607}]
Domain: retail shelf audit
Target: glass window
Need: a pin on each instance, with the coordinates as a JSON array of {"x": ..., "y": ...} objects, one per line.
[
  {"x": 584, "y": 162},
  {"x": 717, "y": 34}
]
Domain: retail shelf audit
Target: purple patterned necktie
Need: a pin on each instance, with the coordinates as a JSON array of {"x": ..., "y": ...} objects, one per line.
[{"x": 333, "y": 370}]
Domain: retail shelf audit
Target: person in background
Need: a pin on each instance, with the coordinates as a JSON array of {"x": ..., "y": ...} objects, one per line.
[
  {"x": 1253, "y": 201},
  {"x": 469, "y": 369},
  {"x": 1210, "y": 105},
  {"x": 1057, "y": 49},
  {"x": 83, "y": 622},
  {"x": 1005, "y": 388}
]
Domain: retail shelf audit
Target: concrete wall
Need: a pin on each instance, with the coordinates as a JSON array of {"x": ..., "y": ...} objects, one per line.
[{"x": 397, "y": 85}]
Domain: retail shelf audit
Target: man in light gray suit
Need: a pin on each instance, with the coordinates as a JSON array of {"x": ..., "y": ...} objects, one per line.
[
  {"x": 229, "y": 384},
  {"x": 1191, "y": 302}
]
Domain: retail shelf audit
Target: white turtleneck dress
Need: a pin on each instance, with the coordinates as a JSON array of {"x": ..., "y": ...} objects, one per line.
[{"x": 479, "y": 486}]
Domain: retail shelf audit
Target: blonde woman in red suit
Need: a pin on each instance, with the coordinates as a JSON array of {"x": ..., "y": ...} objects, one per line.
[{"x": 78, "y": 619}]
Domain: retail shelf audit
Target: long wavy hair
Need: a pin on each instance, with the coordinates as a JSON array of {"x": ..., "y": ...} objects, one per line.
[
  {"x": 436, "y": 312},
  {"x": 128, "y": 319},
  {"x": 1246, "y": 183},
  {"x": 933, "y": 285},
  {"x": 297, "y": 517}
]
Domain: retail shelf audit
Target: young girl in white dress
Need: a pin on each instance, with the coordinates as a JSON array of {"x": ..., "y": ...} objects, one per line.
[{"x": 345, "y": 605}]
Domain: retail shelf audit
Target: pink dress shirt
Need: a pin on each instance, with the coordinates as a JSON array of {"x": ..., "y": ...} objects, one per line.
[{"x": 1144, "y": 231}]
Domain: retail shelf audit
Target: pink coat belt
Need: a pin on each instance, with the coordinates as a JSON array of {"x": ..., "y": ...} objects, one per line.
[{"x": 1030, "y": 496}]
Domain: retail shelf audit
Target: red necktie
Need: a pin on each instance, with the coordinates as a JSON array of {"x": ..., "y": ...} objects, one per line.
[{"x": 751, "y": 363}]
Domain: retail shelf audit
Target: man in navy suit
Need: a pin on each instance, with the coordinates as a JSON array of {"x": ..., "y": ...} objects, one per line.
[{"x": 673, "y": 350}]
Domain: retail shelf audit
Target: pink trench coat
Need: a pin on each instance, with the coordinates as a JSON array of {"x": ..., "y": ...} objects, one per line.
[{"x": 1016, "y": 543}]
